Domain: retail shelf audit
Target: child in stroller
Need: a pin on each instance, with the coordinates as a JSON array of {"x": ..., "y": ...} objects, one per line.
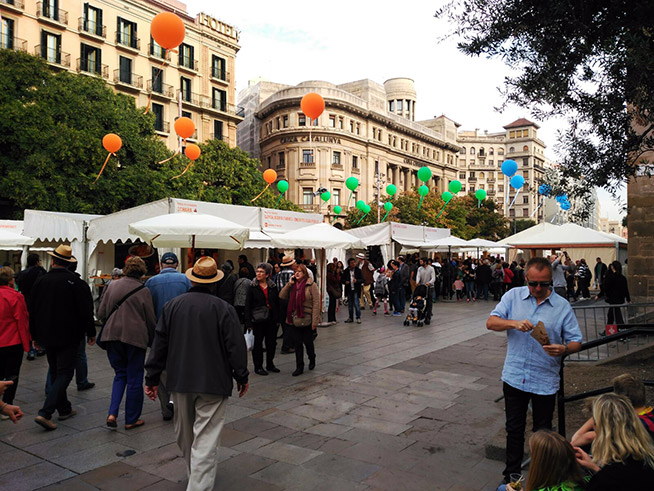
[{"x": 417, "y": 307}]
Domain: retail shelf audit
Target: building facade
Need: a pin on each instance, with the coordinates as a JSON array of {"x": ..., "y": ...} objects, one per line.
[
  {"x": 366, "y": 131},
  {"x": 480, "y": 161},
  {"x": 111, "y": 39}
]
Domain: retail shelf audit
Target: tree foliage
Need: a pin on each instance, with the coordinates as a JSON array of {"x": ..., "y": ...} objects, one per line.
[
  {"x": 462, "y": 215},
  {"x": 51, "y": 149},
  {"x": 588, "y": 60}
]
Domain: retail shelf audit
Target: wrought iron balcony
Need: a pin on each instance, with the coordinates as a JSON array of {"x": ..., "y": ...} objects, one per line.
[
  {"x": 128, "y": 79},
  {"x": 124, "y": 40},
  {"x": 92, "y": 28},
  {"x": 220, "y": 74},
  {"x": 47, "y": 13},
  {"x": 16, "y": 44},
  {"x": 186, "y": 63},
  {"x": 86, "y": 66},
  {"x": 158, "y": 52},
  {"x": 15, "y": 5},
  {"x": 53, "y": 56},
  {"x": 163, "y": 127},
  {"x": 161, "y": 89}
]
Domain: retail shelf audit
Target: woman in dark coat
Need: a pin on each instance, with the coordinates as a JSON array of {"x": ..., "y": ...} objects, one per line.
[
  {"x": 616, "y": 291},
  {"x": 262, "y": 315},
  {"x": 334, "y": 290}
]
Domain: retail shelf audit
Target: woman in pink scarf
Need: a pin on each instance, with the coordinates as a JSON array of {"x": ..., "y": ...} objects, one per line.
[{"x": 303, "y": 314}]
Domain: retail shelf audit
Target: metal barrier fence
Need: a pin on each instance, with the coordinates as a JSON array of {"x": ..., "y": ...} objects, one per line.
[{"x": 593, "y": 320}]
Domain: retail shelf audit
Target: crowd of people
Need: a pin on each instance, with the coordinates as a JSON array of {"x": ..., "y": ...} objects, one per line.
[{"x": 193, "y": 323}]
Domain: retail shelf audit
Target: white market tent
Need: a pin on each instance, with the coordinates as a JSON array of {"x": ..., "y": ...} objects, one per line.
[
  {"x": 578, "y": 241},
  {"x": 191, "y": 230},
  {"x": 318, "y": 236},
  {"x": 11, "y": 237},
  {"x": 401, "y": 235},
  {"x": 445, "y": 243}
]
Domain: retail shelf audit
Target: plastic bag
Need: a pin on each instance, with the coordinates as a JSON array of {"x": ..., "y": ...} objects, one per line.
[{"x": 249, "y": 339}]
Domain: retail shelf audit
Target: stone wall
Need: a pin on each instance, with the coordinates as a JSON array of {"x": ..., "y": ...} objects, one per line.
[{"x": 640, "y": 270}]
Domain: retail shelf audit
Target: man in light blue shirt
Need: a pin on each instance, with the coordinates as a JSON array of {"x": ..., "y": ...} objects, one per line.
[
  {"x": 165, "y": 286},
  {"x": 531, "y": 371}
]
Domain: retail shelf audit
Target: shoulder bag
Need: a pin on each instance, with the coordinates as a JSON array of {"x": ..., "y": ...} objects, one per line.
[{"x": 98, "y": 339}]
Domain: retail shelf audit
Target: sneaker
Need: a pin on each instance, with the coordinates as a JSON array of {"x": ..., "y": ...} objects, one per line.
[
  {"x": 358, "y": 321},
  {"x": 64, "y": 417},
  {"x": 45, "y": 423},
  {"x": 363, "y": 308},
  {"x": 86, "y": 386},
  {"x": 374, "y": 312},
  {"x": 397, "y": 314},
  {"x": 348, "y": 321},
  {"x": 287, "y": 351},
  {"x": 468, "y": 300},
  {"x": 31, "y": 356}
]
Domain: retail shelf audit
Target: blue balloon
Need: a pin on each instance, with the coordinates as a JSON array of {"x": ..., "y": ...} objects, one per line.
[
  {"x": 509, "y": 167},
  {"x": 562, "y": 198},
  {"x": 565, "y": 206},
  {"x": 517, "y": 181},
  {"x": 545, "y": 189}
]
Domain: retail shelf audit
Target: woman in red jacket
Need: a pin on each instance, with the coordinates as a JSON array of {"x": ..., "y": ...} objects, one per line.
[
  {"x": 14, "y": 332},
  {"x": 508, "y": 277}
]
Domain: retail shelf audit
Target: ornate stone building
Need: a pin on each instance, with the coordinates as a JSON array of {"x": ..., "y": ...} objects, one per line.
[
  {"x": 111, "y": 39},
  {"x": 366, "y": 131}
]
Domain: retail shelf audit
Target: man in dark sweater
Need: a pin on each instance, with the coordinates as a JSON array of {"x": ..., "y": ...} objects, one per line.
[
  {"x": 199, "y": 341},
  {"x": 25, "y": 281}
]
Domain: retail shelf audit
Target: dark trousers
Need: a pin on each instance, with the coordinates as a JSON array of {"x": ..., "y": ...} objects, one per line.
[
  {"x": 128, "y": 362},
  {"x": 331, "y": 310},
  {"x": 287, "y": 331},
  {"x": 11, "y": 357},
  {"x": 395, "y": 301},
  {"x": 429, "y": 303},
  {"x": 561, "y": 291},
  {"x": 264, "y": 331},
  {"x": 516, "y": 403},
  {"x": 353, "y": 305},
  {"x": 401, "y": 297},
  {"x": 81, "y": 368},
  {"x": 61, "y": 361},
  {"x": 614, "y": 314},
  {"x": 470, "y": 289},
  {"x": 482, "y": 290},
  {"x": 303, "y": 337},
  {"x": 582, "y": 288}
]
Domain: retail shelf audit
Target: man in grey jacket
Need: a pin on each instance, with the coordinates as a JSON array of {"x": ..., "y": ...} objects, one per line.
[
  {"x": 199, "y": 341},
  {"x": 558, "y": 274}
]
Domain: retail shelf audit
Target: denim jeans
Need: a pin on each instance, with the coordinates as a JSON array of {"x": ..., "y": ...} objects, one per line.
[
  {"x": 127, "y": 362},
  {"x": 401, "y": 298},
  {"x": 353, "y": 305},
  {"x": 470, "y": 289}
]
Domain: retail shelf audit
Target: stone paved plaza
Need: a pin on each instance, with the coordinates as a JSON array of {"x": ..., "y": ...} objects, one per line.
[{"x": 388, "y": 407}]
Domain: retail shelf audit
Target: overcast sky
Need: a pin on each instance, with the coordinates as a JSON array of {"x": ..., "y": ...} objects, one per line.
[{"x": 342, "y": 41}]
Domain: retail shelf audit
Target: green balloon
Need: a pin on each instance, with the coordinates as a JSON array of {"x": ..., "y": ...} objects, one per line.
[
  {"x": 423, "y": 190},
  {"x": 391, "y": 190},
  {"x": 366, "y": 208},
  {"x": 480, "y": 194},
  {"x": 326, "y": 196},
  {"x": 351, "y": 183},
  {"x": 282, "y": 186},
  {"x": 337, "y": 209},
  {"x": 424, "y": 174},
  {"x": 455, "y": 187},
  {"x": 447, "y": 196},
  {"x": 361, "y": 204},
  {"x": 388, "y": 206}
]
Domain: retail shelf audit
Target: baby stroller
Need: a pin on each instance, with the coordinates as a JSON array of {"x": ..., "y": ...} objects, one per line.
[{"x": 417, "y": 307}]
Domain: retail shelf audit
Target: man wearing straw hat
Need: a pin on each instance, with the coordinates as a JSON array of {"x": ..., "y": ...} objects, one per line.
[
  {"x": 62, "y": 315},
  {"x": 200, "y": 343}
]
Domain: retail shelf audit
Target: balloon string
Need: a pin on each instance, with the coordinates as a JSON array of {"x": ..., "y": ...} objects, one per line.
[
  {"x": 420, "y": 204},
  {"x": 103, "y": 166},
  {"x": 259, "y": 195},
  {"x": 516, "y": 195},
  {"x": 348, "y": 200},
  {"x": 385, "y": 216},
  {"x": 278, "y": 200},
  {"x": 534, "y": 212},
  {"x": 171, "y": 157},
  {"x": 442, "y": 209},
  {"x": 154, "y": 81},
  {"x": 180, "y": 175},
  {"x": 364, "y": 216}
]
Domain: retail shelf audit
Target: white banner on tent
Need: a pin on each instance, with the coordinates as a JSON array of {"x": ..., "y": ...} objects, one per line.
[{"x": 285, "y": 221}]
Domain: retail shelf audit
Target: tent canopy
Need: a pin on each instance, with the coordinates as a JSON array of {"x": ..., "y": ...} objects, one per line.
[
  {"x": 445, "y": 242},
  {"x": 487, "y": 244},
  {"x": 550, "y": 236},
  {"x": 191, "y": 229},
  {"x": 11, "y": 237},
  {"x": 318, "y": 236}
]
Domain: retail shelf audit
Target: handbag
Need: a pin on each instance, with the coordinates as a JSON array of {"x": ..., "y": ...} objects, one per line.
[
  {"x": 301, "y": 321},
  {"x": 98, "y": 338},
  {"x": 249, "y": 339},
  {"x": 335, "y": 292},
  {"x": 260, "y": 314}
]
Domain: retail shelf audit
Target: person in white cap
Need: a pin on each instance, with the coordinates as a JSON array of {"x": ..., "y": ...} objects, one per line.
[
  {"x": 200, "y": 343},
  {"x": 368, "y": 271}
]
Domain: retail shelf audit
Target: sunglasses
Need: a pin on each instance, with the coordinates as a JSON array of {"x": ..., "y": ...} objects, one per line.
[{"x": 542, "y": 284}]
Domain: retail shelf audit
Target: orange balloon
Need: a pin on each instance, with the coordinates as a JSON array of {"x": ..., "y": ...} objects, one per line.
[
  {"x": 184, "y": 127},
  {"x": 167, "y": 30},
  {"x": 269, "y": 176},
  {"x": 112, "y": 142},
  {"x": 312, "y": 105},
  {"x": 192, "y": 151}
]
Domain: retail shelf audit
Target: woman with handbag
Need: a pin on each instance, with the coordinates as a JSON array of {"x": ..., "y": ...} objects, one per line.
[
  {"x": 334, "y": 290},
  {"x": 129, "y": 320},
  {"x": 303, "y": 314},
  {"x": 261, "y": 316}
]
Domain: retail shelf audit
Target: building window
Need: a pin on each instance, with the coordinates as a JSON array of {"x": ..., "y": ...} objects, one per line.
[
  {"x": 7, "y": 34},
  {"x": 314, "y": 122},
  {"x": 355, "y": 162},
  {"x": 482, "y": 152},
  {"x": 285, "y": 121},
  {"x": 525, "y": 199},
  {"x": 336, "y": 197},
  {"x": 525, "y": 162},
  {"x": 50, "y": 47},
  {"x": 462, "y": 175},
  {"x": 525, "y": 212},
  {"x": 125, "y": 70},
  {"x": 217, "y": 130},
  {"x": 156, "y": 50},
  {"x": 491, "y": 151},
  {"x": 219, "y": 100},
  {"x": 218, "y": 67},
  {"x": 358, "y": 128},
  {"x": 301, "y": 120},
  {"x": 481, "y": 175},
  {"x": 472, "y": 150},
  {"x": 185, "y": 87},
  {"x": 463, "y": 150},
  {"x": 50, "y": 9},
  {"x": 307, "y": 156},
  {"x": 90, "y": 59},
  {"x": 281, "y": 159},
  {"x": 157, "y": 110},
  {"x": 268, "y": 159},
  {"x": 472, "y": 161},
  {"x": 512, "y": 212},
  {"x": 340, "y": 123},
  {"x": 391, "y": 106},
  {"x": 472, "y": 175},
  {"x": 491, "y": 162},
  {"x": 92, "y": 20},
  {"x": 511, "y": 149},
  {"x": 526, "y": 175},
  {"x": 157, "y": 80},
  {"x": 511, "y": 134},
  {"x": 399, "y": 105},
  {"x": 186, "y": 56},
  {"x": 332, "y": 121},
  {"x": 126, "y": 33},
  {"x": 307, "y": 196},
  {"x": 500, "y": 188},
  {"x": 336, "y": 158},
  {"x": 500, "y": 151}
]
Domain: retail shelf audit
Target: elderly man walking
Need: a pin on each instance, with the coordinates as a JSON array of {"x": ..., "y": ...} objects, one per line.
[
  {"x": 199, "y": 341},
  {"x": 531, "y": 368}
]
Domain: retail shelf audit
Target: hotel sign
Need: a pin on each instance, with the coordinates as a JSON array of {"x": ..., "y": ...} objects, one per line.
[{"x": 217, "y": 26}]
